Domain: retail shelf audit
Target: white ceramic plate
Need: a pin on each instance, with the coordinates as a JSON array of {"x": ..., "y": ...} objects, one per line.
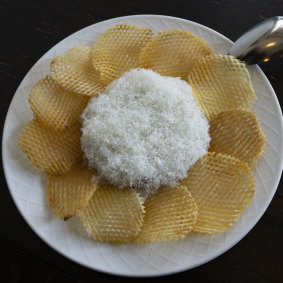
[{"x": 27, "y": 184}]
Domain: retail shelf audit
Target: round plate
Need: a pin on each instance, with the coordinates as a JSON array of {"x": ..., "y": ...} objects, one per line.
[{"x": 27, "y": 184}]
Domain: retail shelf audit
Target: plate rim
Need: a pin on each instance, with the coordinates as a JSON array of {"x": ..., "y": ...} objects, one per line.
[{"x": 159, "y": 273}]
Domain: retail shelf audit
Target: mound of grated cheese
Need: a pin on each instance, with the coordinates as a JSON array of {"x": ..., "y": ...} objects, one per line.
[{"x": 144, "y": 131}]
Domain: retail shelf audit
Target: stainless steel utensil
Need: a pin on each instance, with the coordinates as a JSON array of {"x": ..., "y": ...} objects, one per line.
[{"x": 260, "y": 44}]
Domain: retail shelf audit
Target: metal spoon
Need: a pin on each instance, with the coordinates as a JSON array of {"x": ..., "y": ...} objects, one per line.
[{"x": 260, "y": 44}]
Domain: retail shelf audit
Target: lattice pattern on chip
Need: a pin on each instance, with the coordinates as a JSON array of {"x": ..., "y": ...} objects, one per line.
[
  {"x": 222, "y": 186},
  {"x": 68, "y": 194},
  {"x": 171, "y": 214},
  {"x": 55, "y": 107},
  {"x": 173, "y": 53},
  {"x": 74, "y": 71},
  {"x": 220, "y": 83},
  {"x": 117, "y": 50},
  {"x": 113, "y": 215},
  {"x": 54, "y": 152},
  {"x": 237, "y": 133}
]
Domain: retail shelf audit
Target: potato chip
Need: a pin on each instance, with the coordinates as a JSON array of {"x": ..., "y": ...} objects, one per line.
[
  {"x": 55, "y": 107},
  {"x": 68, "y": 194},
  {"x": 113, "y": 215},
  {"x": 220, "y": 83},
  {"x": 222, "y": 186},
  {"x": 53, "y": 152},
  {"x": 74, "y": 71},
  {"x": 117, "y": 50},
  {"x": 171, "y": 214},
  {"x": 237, "y": 133},
  {"x": 173, "y": 53}
]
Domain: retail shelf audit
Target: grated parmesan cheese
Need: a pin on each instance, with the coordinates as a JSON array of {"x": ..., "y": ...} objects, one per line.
[{"x": 144, "y": 131}]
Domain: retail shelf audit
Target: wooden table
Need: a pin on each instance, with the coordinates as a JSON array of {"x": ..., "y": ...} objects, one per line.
[{"x": 28, "y": 30}]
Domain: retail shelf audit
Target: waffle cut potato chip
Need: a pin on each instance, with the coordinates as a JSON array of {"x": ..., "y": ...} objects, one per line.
[
  {"x": 237, "y": 133},
  {"x": 53, "y": 152},
  {"x": 55, "y": 107},
  {"x": 221, "y": 83},
  {"x": 74, "y": 72},
  {"x": 117, "y": 50},
  {"x": 171, "y": 214},
  {"x": 173, "y": 53},
  {"x": 113, "y": 215},
  {"x": 222, "y": 187},
  {"x": 68, "y": 194}
]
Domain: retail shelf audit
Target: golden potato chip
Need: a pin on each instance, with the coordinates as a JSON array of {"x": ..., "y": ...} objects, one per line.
[
  {"x": 53, "y": 152},
  {"x": 117, "y": 50},
  {"x": 220, "y": 83},
  {"x": 113, "y": 215},
  {"x": 222, "y": 186},
  {"x": 237, "y": 133},
  {"x": 173, "y": 52},
  {"x": 68, "y": 194},
  {"x": 170, "y": 214},
  {"x": 74, "y": 72},
  {"x": 55, "y": 107}
]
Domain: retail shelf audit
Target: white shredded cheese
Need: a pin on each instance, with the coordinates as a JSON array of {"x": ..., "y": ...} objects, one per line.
[{"x": 144, "y": 131}]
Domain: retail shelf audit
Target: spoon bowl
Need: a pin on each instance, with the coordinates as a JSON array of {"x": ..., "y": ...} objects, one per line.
[{"x": 260, "y": 44}]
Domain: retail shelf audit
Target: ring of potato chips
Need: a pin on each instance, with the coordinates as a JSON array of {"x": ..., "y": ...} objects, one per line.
[
  {"x": 117, "y": 50},
  {"x": 220, "y": 83},
  {"x": 218, "y": 187},
  {"x": 222, "y": 186},
  {"x": 173, "y": 53},
  {"x": 53, "y": 152},
  {"x": 68, "y": 194},
  {"x": 74, "y": 72},
  {"x": 171, "y": 214},
  {"x": 113, "y": 215},
  {"x": 55, "y": 107},
  {"x": 237, "y": 133}
]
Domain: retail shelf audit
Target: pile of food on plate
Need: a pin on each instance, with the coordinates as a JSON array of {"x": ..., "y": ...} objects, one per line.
[{"x": 145, "y": 136}]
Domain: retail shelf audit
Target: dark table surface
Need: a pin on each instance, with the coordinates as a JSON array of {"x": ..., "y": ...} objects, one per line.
[{"x": 28, "y": 30}]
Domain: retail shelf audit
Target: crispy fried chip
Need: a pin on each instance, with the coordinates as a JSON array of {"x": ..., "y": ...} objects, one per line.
[
  {"x": 117, "y": 50},
  {"x": 220, "y": 83},
  {"x": 68, "y": 194},
  {"x": 113, "y": 215},
  {"x": 237, "y": 133},
  {"x": 171, "y": 214},
  {"x": 222, "y": 186},
  {"x": 54, "y": 152},
  {"x": 74, "y": 71},
  {"x": 173, "y": 53},
  {"x": 55, "y": 107}
]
